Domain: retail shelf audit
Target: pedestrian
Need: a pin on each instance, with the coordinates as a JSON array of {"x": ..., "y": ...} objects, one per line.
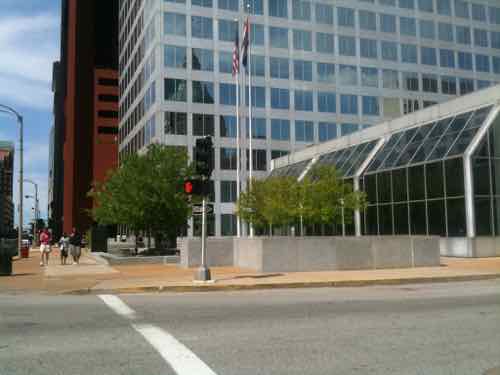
[
  {"x": 64, "y": 248},
  {"x": 45, "y": 249},
  {"x": 75, "y": 246}
]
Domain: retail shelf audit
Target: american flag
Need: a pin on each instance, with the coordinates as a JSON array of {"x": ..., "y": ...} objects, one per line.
[
  {"x": 236, "y": 55},
  {"x": 244, "y": 44}
]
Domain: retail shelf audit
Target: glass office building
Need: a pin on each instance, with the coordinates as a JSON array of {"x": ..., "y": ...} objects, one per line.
[
  {"x": 320, "y": 70},
  {"x": 435, "y": 172}
]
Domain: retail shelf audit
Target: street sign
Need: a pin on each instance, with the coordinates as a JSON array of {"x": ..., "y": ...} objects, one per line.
[{"x": 198, "y": 209}]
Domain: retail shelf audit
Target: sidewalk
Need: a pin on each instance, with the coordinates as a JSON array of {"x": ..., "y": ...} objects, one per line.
[{"x": 94, "y": 276}]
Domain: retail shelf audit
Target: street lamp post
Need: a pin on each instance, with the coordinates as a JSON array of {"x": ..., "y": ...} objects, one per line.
[
  {"x": 19, "y": 118},
  {"x": 37, "y": 208}
]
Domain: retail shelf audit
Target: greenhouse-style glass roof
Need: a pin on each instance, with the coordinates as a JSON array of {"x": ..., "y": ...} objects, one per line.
[{"x": 292, "y": 170}]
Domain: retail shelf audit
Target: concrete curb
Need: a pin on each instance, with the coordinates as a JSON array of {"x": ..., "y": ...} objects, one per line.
[{"x": 290, "y": 285}]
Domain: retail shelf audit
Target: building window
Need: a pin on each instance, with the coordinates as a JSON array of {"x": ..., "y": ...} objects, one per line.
[
  {"x": 227, "y": 158},
  {"x": 324, "y": 43},
  {"x": 203, "y": 59},
  {"x": 369, "y": 77},
  {"x": 228, "y": 30},
  {"x": 367, "y": 20},
  {"x": 463, "y": 35},
  {"x": 304, "y": 131},
  {"x": 408, "y": 26},
  {"x": 370, "y": 106},
  {"x": 275, "y": 154},
  {"x": 389, "y": 3},
  {"x": 479, "y": 12},
  {"x": 427, "y": 29},
  {"x": 447, "y": 58},
  {"x": 480, "y": 38},
  {"x": 346, "y": 129},
  {"x": 174, "y": 24},
  {"x": 327, "y": 131},
  {"x": 348, "y": 75},
  {"x": 256, "y": 7},
  {"x": 176, "y": 123},
  {"x": 387, "y": 23},
  {"x": 428, "y": 56},
  {"x": 429, "y": 83},
  {"x": 228, "y": 224},
  {"x": 278, "y": 8},
  {"x": 280, "y": 130},
  {"x": 465, "y": 60},
  {"x": 202, "y": 3},
  {"x": 461, "y": 9},
  {"x": 324, "y": 14},
  {"x": 259, "y": 130},
  {"x": 257, "y": 34},
  {"x": 227, "y": 94},
  {"x": 279, "y": 37},
  {"x": 228, "y": 191},
  {"x": 349, "y": 104},
  {"x": 494, "y": 15},
  {"x": 345, "y": 17},
  {"x": 449, "y": 85},
  {"x": 302, "y": 40},
  {"x": 347, "y": 46},
  {"x": 444, "y": 7},
  {"x": 409, "y": 53},
  {"x": 175, "y": 90},
  {"x": 201, "y": 27},
  {"x": 326, "y": 72},
  {"x": 326, "y": 102},
  {"x": 496, "y": 64},
  {"x": 390, "y": 79},
  {"x": 445, "y": 32},
  {"x": 389, "y": 51},
  {"x": 303, "y": 100},
  {"x": 258, "y": 65},
  {"x": 203, "y": 92},
  {"x": 175, "y": 57},
  {"x": 407, "y": 4},
  {"x": 279, "y": 67},
  {"x": 280, "y": 98},
  {"x": 225, "y": 62},
  {"x": 227, "y": 126},
  {"x": 259, "y": 160},
  {"x": 302, "y": 70},
  {"x": 258, "y": 96},
  {"x": 426, "y": 6},
  {"x": 410, "y": 106},
  {"x": 410, "y": 81},
  {"x": 495, "y": 39},
  {"x": 228, "y": 5},
  {"x": 482, "y": 63},
  {"x": 301, "y": 10},
  {"x": 391, "y": 107},
  {"x": 368, "y": 48},
  {"x": 481, "y": 84},
  {"x": 466, "y": 86},
  {"x": 203, "y": 124}
]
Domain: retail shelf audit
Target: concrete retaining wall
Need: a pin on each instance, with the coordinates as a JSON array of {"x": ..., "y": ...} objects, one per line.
[
  {"x": 296, "y": 254},
  {"x": 220, "y": 252},
  {"x": 477, "y": 247}
]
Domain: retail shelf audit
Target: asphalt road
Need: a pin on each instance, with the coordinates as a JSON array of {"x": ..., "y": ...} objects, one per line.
[{"x": 428, "y": 329}]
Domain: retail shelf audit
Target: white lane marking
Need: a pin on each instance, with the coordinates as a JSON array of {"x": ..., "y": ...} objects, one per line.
[
  {"x": 182, "y": 360},
  {"x": 118, "y": 306}
]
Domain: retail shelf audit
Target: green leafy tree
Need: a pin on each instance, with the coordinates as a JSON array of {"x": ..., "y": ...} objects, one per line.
[{"x": 146, "y": 193}]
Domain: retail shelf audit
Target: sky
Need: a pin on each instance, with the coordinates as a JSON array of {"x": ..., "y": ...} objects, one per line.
[{"x": 29, "y": 44}]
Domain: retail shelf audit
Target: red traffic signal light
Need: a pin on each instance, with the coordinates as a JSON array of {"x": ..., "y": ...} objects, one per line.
[{"x": 188, "y": 187}]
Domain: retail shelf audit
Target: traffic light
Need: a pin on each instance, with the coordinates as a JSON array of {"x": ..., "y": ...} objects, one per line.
[
  {"x": 203, "y": 157},
  {"x": 193, "y": 187}
]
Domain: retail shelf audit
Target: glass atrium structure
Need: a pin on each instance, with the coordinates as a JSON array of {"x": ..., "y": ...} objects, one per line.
[{"x": 437, "y": 173}]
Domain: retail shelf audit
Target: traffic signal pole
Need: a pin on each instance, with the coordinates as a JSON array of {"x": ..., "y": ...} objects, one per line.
[{"x": 203, "y": 272}]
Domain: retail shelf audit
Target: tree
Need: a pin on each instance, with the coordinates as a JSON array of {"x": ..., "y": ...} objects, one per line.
[
  {"x": 146, "y": 193},
  {"x": 321, "y": 197}
]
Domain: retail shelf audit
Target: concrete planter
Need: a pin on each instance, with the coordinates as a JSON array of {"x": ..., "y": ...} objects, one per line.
[{"x": 297, "y": 254}]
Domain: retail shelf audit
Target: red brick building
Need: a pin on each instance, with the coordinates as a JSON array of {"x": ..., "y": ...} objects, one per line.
[{"x": 85, "y": 109}]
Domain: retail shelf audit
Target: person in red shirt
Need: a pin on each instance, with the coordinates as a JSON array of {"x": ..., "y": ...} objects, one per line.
[{"x": 45, "y": 239}]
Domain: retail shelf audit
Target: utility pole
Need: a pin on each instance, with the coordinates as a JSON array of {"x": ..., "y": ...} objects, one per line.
[{"x": 37, "y": 212}]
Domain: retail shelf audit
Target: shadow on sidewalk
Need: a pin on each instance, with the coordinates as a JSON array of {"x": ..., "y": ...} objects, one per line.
[{"x": 265, "y": 276}]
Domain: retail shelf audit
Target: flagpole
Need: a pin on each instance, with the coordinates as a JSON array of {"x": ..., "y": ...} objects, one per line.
[
  {"x": 250, "y": 129},
  {"x": 238, "y": 162}
]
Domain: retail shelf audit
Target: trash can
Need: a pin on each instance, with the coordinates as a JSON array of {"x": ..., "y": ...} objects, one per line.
[
  {"x": 25, "y": 250},
  {"x": 7, "y": 251}
]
